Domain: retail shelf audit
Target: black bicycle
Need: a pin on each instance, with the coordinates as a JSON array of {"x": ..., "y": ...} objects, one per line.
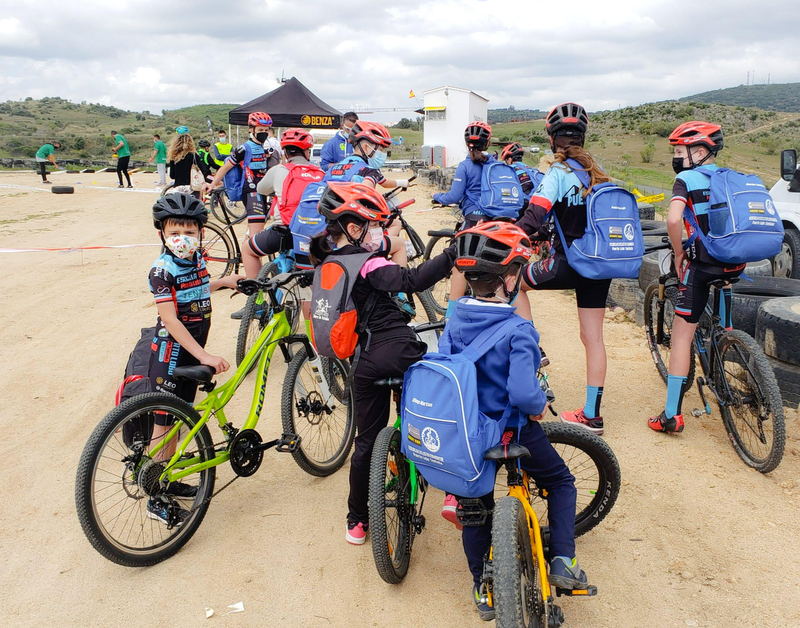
[
  {"x": 735, "y": 370},
  {"x": 217, "y": 199}
]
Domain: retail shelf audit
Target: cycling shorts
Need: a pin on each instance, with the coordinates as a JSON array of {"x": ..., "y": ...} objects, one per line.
[
  {"x": 694, "y": 289},
  {"x": 271, "y": 241},
  {"x": 166, "y": 355},
  {"x": 555, "y": 273},
  {"x": 256, "y": 210}
]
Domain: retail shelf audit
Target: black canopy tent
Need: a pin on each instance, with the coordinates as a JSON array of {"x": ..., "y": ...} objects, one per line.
[{"x": 290, "y": 105}]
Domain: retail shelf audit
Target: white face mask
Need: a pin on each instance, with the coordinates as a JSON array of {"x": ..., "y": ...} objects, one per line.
[
  {"x": 374, "y": 239},
  {"x": 223, "y": 140},
  {"x": 182, "y": 246}
]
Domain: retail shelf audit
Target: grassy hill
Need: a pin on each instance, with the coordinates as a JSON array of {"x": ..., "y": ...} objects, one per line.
[{"x": 775, "y": 97}]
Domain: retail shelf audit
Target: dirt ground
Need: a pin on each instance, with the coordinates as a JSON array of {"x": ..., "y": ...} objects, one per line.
[{"x": 695, "y": 539}]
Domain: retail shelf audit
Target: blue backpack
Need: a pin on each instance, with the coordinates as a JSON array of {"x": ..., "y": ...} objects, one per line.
[
  {"x": 612, "y": 246},
  {"x": 307, "y": 221},
  {"x": 743, "y": 225},
  {"x": 443, "y": 431},
  {"x": 234, "y": 178},
  {"x": 501, "y": 191},
  {"x": 533, "y": 174},
  {"x": 346, "y": 170}
]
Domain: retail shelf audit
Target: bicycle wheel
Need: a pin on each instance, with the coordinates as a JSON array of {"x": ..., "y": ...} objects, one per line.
[
  {"x": 390, "y": 512},
  {"x": 214, "y": 207},
  {"x": 417, "y": 243},
  {"x": 218, "y": 251},
  {"x": 117, "y": 478},
  {"x": 429, "y": 306},
  {"x": 597, "y": 475},
  {"x": 258, "y": 313},
  {"x": 661, "y": 350},
  {"x": 753, "y": 412},
  {"x": 326, "y": 434},
  {"x": 517, "y": 593},
  {"x": 440, "y": 293}
]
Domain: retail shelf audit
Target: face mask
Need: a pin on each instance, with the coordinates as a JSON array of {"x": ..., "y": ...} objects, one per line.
[
  {"x": 377, "y": 160},
  {"x": 373, "y": 239},
  {"x": 222, "y": 140},
  {"x": 677, "y": 165},
  {"x": 182, "y": 246},
  {"x": 262, "y": 137}
]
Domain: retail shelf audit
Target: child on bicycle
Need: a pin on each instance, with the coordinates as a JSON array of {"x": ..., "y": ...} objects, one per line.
[
  {"x": 355, "y": 214},
  {"x": 696, "y": 144},
  {"x": 182, "y": 290},
  {"x": 492, "y": 256}
]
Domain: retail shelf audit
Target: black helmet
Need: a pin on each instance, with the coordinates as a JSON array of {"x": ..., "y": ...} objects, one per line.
[
  {"x": 179, "y": 205},
  {"x": 204, "y": 144},
  {"x": 477, "y": 135},
  {"x": 567, "y": 119}
]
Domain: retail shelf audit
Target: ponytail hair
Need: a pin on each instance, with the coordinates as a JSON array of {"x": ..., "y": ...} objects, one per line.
[
  {"x": 579, "y": 154},
  {"x": 477, "y": 155}
]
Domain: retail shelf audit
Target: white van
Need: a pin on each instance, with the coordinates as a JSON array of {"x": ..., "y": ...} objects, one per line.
[
  {"x": 786, "y": 195},
  {"x": 316, "y": 154}
]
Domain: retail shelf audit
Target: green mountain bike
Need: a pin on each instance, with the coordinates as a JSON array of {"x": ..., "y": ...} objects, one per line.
[{"x": 125, "y": 474}]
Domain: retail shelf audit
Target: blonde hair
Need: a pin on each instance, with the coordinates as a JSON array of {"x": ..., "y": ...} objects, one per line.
[
  {"x": 181, "y": 146},
  {"x": 579, "y": 154}
]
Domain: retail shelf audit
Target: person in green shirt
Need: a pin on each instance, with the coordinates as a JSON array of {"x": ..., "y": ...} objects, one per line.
[
  {"x": 160, "y": 157},
  {"x": 45, "y": 154},
  {"x": 123, "y": 152}
]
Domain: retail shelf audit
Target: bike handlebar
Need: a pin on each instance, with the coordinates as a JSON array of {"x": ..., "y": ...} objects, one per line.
[
  {"x": 410, "y": 201},
  {"x": 251, "y": 286}
]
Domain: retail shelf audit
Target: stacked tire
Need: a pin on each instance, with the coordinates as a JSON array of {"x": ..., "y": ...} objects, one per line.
[{"x": 778, "y": 332}]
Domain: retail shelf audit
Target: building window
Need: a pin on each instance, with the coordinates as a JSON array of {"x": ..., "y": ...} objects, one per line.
[{"x": 436, "y": 114}]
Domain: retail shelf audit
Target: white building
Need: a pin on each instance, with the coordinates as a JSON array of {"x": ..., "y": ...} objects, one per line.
[{"x": 448, "y": 111}]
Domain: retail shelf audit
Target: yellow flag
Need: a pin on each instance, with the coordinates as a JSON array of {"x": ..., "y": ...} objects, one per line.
[{"x": 411, "y": 94}]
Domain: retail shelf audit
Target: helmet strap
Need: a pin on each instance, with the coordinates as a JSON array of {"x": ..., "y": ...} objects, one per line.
[
  {"x": 351, "y": 239},
  {"x": 699, "y": 163},
  {"x": 510, "y": 296}
]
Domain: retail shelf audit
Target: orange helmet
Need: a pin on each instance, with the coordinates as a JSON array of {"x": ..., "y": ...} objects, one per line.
[
  {"x": 300, "y": 138},
  {"x": 512, "y": 150},
  {"x": 259, "y": 118},
  {"x": 370, "y": 131},
  {"x": 491, "y": 247},
  {"x": 357, "y": 200},
  {"x": 478, "y": 134},
  {"x": 567, "y": 119},
  {"x": 698, "y": 133}
]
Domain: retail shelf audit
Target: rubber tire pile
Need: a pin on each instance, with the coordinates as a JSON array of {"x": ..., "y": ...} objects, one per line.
[{"x": 778, "y": 333}]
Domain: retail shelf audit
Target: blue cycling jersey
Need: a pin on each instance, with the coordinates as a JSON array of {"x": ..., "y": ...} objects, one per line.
[
  {"x": 186, "y": 284},
  {"x": 466, "y": 188}
]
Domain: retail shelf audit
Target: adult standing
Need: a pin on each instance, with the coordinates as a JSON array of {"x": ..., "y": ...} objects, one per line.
[
  {"x": 123, "y": 152},
  {"x": 562, "y": 192},
  {"x": 45, "y": 154},
  {"x": 338, "y": 147},
  {"x": 182, "y": 156},
  {"x": 222, "y": 148},
  {"x": 273, "y": 147},
  {"x": 160, "y": 157}
]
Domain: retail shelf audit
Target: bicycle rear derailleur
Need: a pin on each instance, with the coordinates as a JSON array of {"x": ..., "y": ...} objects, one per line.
[{"x": 247, "y": 450}]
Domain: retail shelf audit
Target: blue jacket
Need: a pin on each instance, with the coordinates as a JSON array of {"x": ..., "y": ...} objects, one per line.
[
  {"x": 507, "y": 384},
  {"x": 466, "y": 188},
  {"x": 334, "y": 150}
]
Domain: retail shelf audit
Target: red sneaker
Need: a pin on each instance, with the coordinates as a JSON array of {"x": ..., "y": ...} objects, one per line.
[
  {"x": 356, "y": 533},
  {"x": 661, "y": 423},
  {"x": 595, "y": 426},
  {"x": 449, "y": 511}
]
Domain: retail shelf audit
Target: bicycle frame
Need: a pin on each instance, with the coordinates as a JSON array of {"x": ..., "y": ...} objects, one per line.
[
  {"x": 216, "y": 399},
  {"x": 412, "y": 468}
]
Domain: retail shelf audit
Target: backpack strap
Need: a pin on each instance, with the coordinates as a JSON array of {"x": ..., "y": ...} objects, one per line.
[
  {"x": 580, "y": 172},
  {"x": 480, "y": 346}
]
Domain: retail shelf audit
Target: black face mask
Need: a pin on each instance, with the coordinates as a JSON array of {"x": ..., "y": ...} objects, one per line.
[
  {"x": 677, "y": 165},
  {"x": 262, "y": 137}
]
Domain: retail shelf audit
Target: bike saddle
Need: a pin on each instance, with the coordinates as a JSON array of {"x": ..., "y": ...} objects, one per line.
[
  {"x": 199, "y": 373},
  {"x": 512, "y": 451},
  {"x": 281, "y": 229},
  {"x": 720, "y": 283},
  {"x": 395, "y": 383}
]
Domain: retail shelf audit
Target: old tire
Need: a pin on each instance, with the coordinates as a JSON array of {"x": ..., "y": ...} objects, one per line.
[
  {"x": 62, "y": 189},
  {"x": 638, "y": 314},
  {"x": 778, "y": 328},
  {"x": 748, "y": 296},
  {"x": 787, "y": 263},
  {"x": 622, "y": 293},
  {"x": 654, "y": 227},
  {"x": 649, "y": 272},
  {"x": 646, "y": 211},
  {"x": 759, "y": 269},
  {"x": 788, "y": 376}
]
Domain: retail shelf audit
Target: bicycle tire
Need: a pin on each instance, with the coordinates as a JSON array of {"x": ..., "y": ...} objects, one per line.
[
  {"x": 440, "y": 293},
  {"x": 388, "y": 475},
  {"x": 218, "y": 252},
  {"x": 660, "y": 352},
  {"x": 340, "y": 434},
  {"x": 431, "y": 311},
  {"x": 517, "y": 594},
  {"x": 417, "y": 243},
  {"x": 763, "y": 387},
  {"x": 214, "y": 208},
  {"x": 86, "y": 503}
]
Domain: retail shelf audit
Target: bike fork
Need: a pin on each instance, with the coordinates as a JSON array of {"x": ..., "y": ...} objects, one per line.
[{"x": 319, "y": 378}]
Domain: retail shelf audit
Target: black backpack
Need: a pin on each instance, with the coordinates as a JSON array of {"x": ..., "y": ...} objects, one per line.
[{"x": 135, "y": 383}]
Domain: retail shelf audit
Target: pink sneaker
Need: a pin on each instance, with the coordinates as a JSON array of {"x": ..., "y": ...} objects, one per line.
[
  {"x": 595, "y": 426},
  {"x": 449, "y": 510},
  {"x": 356, "y": 533}
]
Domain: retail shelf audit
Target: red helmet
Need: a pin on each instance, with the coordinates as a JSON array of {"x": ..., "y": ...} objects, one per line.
[
  {"x": 491, "y": 247},
  {"x": 567, "y": 119},
  {"x": 259, "y": 118},
  {"x": 300, "y": 138},
  {"x": 512, "y": 150},
  {"x": 353, "y": 199},
  {"x": 698, "y": 133},
  {"x": 370, "y": 131},
  {"x": 478, "y": 134}
]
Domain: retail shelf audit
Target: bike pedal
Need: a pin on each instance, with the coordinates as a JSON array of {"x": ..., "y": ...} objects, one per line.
[
  {"x": 697, "y": 412},
  {"x": 471, "y": 513},
  {"x": 288, "y": 443},
  {"x": 589, "y": 591}
]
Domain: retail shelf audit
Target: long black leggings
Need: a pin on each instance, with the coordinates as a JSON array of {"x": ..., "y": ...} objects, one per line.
[
  {"x": 43, "y": 170},
  {"x": 122, "y": 167}
]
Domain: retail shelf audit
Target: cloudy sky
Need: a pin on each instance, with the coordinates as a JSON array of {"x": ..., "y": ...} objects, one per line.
[{"x": 163, "y": 54}]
